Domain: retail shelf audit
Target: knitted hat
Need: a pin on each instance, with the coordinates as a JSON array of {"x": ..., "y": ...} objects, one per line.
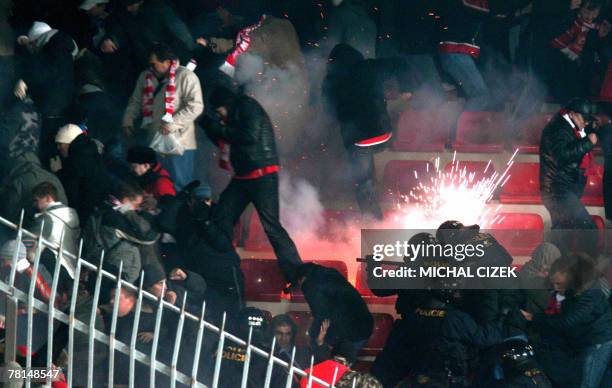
[
  {"x": 8, "y": 250},
  {"x": 37, "y": 29},
  {"x": 68, "y": 133},
  {"x": 89, "y": 4},
  {"x": 141, "y": 155},
  {"x": 152, "y": 275}
]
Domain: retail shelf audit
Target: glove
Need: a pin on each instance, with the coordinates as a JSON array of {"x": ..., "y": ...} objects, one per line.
[
  {"x": 21, "y": 90},
  {"x": 570, "y": 54}
]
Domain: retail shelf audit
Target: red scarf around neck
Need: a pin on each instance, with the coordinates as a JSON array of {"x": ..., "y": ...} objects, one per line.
[{"x": 148, "y": 96}]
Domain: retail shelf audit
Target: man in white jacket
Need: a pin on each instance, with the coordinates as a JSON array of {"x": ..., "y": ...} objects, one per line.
[
  {"x": 168, "y": 99},
  {"x": 58, "y": 219}
]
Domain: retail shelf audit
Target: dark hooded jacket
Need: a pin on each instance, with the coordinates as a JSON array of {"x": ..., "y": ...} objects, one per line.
[
  {"x": 84, "y": 177},
  {"x": 561, "y": 153},
  {"x": 585, "y": 319},
  {"x": 354, "y": 90},
  {"x": 250, "y": 133},
  {"x": 331, "y": 296},
  {"x": 49, "y": 74}
]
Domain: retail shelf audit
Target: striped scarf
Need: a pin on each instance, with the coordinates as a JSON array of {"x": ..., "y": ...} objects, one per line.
[
  {"x": 243, "y": 43},
  {"x": 148, "y": 97}
]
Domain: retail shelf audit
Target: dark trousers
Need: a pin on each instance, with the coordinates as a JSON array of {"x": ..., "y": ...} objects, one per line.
[
  {"x": 571, "y": 222},
  {"x": 364, "y": 182},
  {"x": 263, "y": 194},
  {"x": 394, "y": 363}
]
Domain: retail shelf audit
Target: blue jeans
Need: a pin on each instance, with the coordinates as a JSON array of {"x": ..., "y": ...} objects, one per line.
[
  {"x": 463, "y": 70},
  {"x": 180, "y": 168},
  {"x": 595, "y": 361}
]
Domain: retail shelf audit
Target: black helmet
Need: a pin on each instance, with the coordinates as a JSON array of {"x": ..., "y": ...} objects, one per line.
[
  {"x": 515, "y": 354},
  {"x": 450, "y": 232},
  {"x": 583, "y": 106}
]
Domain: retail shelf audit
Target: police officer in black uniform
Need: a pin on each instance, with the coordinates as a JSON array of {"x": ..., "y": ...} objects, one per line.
[
  {"x": 393, "y": 363},
  {"x": 487, "y": 299}
]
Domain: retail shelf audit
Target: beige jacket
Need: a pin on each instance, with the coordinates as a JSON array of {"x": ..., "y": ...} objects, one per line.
[{"x": 188, "y": 106}]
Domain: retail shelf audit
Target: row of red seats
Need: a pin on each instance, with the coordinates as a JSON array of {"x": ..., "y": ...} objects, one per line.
[
  {"x": 477, "y": 132},
  {"x": 522, "y": 187}
]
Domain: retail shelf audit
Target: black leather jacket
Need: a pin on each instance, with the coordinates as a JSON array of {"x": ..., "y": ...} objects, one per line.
[
  {"x": 561, "y": 154},
  {"x": 250, "y": 133}
]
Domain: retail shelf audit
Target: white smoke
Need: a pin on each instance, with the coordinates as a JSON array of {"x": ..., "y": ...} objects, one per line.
[{"x": 301, "y": 209}]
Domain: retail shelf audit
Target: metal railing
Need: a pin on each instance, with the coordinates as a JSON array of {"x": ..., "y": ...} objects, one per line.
[{"x": 15, "y": 296}]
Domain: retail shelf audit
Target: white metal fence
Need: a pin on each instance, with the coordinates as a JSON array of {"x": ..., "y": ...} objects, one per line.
[{"x": 16, "y": 297}]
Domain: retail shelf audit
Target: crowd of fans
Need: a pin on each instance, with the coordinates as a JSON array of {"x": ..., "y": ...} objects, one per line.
[{"x": 105, "y": 108}]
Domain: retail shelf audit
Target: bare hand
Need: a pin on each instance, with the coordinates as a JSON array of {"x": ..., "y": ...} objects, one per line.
[
  {"x": 23, "y": 40},
  {"x": 21, "y": 89},
  {"x": 170, "y": 297},
  {"x": 164, "y": 129},
  {"x": 202, "y": 42},
  {"x": 323, "y": 332},
  {"x": 55, "y": 164},
  {"x": 593, "y": 138},
  {"x": 178, "y": 274},
  {"x": 528, "y": 316},
  {"x": 108, "y": 46},
  {"x": 145, "y": 336}
]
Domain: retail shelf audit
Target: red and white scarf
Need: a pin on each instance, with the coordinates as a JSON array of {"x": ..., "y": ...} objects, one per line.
[
  {"x": 243, "y": 43},
  {"x": 575, "y": 37},
  {"x": 148, "y": 98},
  {"x": 587, "y": 160}
]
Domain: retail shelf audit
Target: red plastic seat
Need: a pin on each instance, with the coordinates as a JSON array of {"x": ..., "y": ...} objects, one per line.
[
  {"x": 298, "y": 297},
  {"x": 529, "y": 135},
  {"x": 523, "y": 185},
  {"x": 402, "y": 176},
  {"x": 593, "y": 192},
  {"x": 263, "y": 281},
  {"x": 303, "y": 321},
  {"x": 471, "y": 171},
  {"x": 361, "y": 284},
  {"x": 519, "y": 233},
  {"x": 479, "y": 132},
  {"x": 424, "y": 131},
  {"x": 383, "y": 323}
]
